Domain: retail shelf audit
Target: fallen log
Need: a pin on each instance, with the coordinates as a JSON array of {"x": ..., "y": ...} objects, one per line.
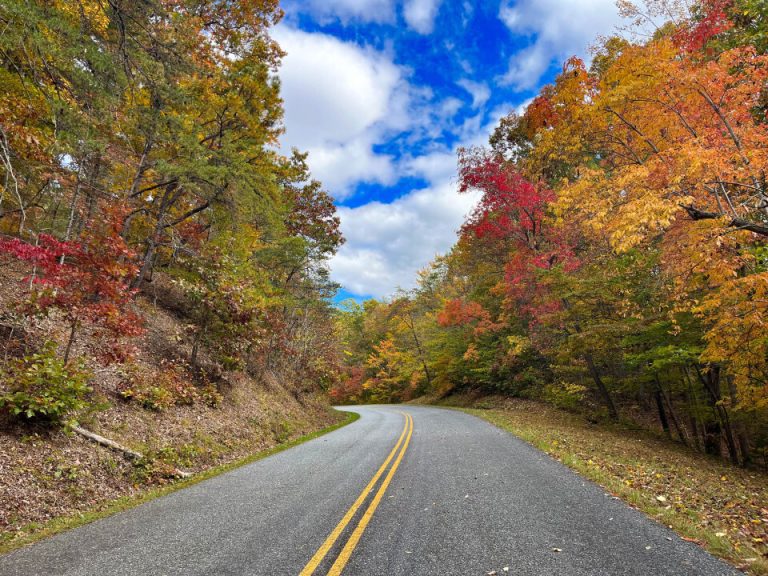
[{"x": 125, "y": 451}]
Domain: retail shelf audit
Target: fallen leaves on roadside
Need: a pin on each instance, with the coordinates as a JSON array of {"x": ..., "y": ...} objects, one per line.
[{"x": 716, "y": 505}]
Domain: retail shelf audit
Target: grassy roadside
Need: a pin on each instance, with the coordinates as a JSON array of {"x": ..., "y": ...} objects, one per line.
[
  {"x": 720, "y": 507},
  {"x": 37, "y": 531}
]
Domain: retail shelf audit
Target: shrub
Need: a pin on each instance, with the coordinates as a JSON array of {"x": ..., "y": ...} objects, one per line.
[
  {"x": 565, "y": 395},
  {"x": 162, "y": 389},
  {"x": 43, "y": 387},
  {"x": 150, "y": 397}
]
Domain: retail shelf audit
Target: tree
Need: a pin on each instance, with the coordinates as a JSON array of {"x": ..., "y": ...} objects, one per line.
[{"x": 86, "y": 281}]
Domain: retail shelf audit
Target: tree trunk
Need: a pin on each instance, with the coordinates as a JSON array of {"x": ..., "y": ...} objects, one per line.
[
  {"x": 692, "y": 400},
  {"x": 70, "y": 341},
  {"x": 681, "y": 434},
  {"x": 196, "y": 347},
  {"x": 660, "y": 407},
  {"x": 604, "y": 393},
  {"x": 152, "y": 240},
  {"x": 741, "y": 433},
  {"x": 427, "y": 374},
  {"x": 711, "y": 383}
]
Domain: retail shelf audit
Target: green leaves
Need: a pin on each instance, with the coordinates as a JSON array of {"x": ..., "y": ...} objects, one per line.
[{"x": 42, "y": 387}]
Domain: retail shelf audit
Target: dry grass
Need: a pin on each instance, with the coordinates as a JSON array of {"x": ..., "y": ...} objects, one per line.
[{"x": 721, "y": 507}]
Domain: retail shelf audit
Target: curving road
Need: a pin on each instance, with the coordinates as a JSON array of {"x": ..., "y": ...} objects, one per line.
[{"x": 404, "y": 490}]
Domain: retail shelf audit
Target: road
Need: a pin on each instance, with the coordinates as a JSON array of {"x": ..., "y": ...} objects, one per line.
[{"x": 404, "y": 490}]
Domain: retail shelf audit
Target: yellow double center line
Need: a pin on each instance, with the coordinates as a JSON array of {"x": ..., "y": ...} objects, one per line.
[{"x": 349, "y": 547}]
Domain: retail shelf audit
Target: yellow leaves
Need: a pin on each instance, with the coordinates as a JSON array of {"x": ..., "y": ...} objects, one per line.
[
  {"x": 90, "y": 11},
  {"x": 625, "y": 209},
  {"x": 517, "y": 345},
  {"x": 737, "y": 314}
]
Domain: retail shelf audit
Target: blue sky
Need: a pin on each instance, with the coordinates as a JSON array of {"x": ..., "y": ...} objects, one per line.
[{"x": 382, "y": 92}]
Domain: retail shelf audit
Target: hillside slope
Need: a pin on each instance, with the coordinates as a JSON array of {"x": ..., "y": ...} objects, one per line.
[{"x": 153, "y": 404}]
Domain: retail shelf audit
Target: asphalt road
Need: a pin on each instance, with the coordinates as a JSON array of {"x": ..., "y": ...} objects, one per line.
[{"x": 457, "y": 496}]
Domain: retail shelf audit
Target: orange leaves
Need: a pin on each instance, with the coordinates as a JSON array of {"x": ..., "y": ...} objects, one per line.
[
  {"x": 658, "y": 146},
  {"x": 458, "y": 312},
  {"x": 669, "y": 130},
  {"x": 737, "y": 315}
]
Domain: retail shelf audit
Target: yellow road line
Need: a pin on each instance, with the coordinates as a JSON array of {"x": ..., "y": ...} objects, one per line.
[
  {"x": 349, "y": 547},
  {"x": 333, "y": 536}
]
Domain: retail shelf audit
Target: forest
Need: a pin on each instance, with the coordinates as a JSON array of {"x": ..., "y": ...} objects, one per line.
[
  {"x": 139, "y": 156},
  {"x": 169, "y": 310},
  {"x": 616, "y": 264}
]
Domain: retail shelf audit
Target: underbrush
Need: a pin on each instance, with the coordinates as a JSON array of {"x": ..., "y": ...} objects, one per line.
[
  {"x": 42, "y": 387},
  {"x": 179, "y": 417},
  {"x": 159, "y": 390}
]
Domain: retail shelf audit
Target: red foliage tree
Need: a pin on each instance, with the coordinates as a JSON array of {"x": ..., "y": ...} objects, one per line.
[
  {"x": 513, "y": 208},
  {"x": 713, "y": 19},
  {"x": 87, "y": 281}
]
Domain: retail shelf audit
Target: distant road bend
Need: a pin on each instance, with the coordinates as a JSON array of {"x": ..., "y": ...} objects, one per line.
[{"x": 404, "y": 490}]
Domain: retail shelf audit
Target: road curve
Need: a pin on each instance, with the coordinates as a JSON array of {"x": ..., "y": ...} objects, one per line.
[{"x": 404, "y": 490}]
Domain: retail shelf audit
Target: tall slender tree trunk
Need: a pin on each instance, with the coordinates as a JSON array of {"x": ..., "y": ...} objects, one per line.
[
  {"x": 711, "y": 383},
  {"x": 70, "y": 341},
  {"x": 601, "y": 388},
  {"x": 657, "y": 394},
  {"x": 692, "y": 400},
  {"x": 196, "y": 347},
  {"x": 152, "y": 240},
  {"x": 673, "y": 417},
  {"x": 741, "y": 433},
  {"x": 422, "y": 356}
]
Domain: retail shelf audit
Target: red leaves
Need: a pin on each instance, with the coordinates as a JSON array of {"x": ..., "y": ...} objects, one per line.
[
  {"x": 513, "y": 209},
  {"x": 45, "y": 254},
  {"x": 87, "y": 281},
  {"x": 511, "y": 206},
  {"x": 714, "y": 20}
]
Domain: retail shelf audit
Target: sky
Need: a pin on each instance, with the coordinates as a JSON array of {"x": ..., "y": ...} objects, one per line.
[{"x": 383, "y": 92}]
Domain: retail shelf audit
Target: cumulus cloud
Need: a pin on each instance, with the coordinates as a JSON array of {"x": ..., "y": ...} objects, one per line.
[
  {"x": 558, "y": 28},
  {"x": 388, "y": 243},
  {"x": 420, "y": 14},
  {"x": 437, "y": 166},
  {"x": 340, "y": 100}
]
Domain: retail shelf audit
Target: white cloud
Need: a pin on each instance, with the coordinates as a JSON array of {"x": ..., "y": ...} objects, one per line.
[
  {"x": 439, "y": 166},
  {"x": 559, "y": 28},
  {"x": 380, "y": 11},
  {"x": 333, "y": 90},
  {"x": 340, "y": 99},
  {"x": 388, "y": 243},
  {"x": 340, "y": 166},
  {"x": 478, "y": 90},
  {"x": 420, "y": 14}
]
